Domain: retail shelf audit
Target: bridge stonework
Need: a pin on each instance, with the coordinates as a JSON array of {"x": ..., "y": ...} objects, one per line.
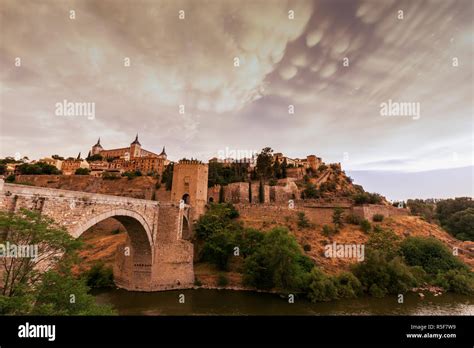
[{"x": 155, "y": 257}]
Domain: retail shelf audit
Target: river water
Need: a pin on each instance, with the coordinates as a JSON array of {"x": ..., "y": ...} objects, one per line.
[{"x": 229, "y": 302}]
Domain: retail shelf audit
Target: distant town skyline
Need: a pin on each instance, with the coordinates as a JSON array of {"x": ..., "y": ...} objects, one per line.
[{"x": 380, "y": 86}]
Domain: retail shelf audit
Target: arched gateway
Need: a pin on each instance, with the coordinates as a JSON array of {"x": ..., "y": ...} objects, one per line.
[{"x": 156, "y": 256}]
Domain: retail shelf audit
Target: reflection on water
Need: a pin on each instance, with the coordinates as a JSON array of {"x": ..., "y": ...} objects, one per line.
[{"x": 228, "y": 302}]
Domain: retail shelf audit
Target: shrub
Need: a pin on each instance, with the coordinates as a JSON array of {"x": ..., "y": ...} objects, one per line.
[
  {"x": 222, "y": 280},
  {"x": 337, "y": 217},
  {"x": 99, "y": 276},
  {"x": 303, "y": 221},
  {"x": 377, "y": 218},
  {"x": 353, "y": 219},
  {"x": 328, "y": 231},
  {"x": 310, "y": 191},
  {"x": 367, "y": 198},
  {"x": 218, "y": 248},
  {"x": 10, "y": 178},
  {"x": 380, "y": 275},
  {"x": 429, "y": 253},
  {"x": 277, "y": 263},
  {"x": 365, "y": 226},
  {"x": 458, "y": 281},
  {"x": 82, "y": 171},
  {"x": 461, "y": 224},
  {"x": 321, "y": 287},
  {"x": 347, "y": 285},
  {"x": 218, "y": 217}
]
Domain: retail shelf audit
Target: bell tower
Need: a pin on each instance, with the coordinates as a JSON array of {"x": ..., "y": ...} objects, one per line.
[{"x": 135, "y": 148}]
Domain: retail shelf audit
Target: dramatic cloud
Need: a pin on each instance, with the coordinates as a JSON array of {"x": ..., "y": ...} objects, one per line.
[{"x": 236, "y": 67}]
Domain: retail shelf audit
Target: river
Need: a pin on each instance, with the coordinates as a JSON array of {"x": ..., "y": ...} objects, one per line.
[{"x": 230, "y": 302}]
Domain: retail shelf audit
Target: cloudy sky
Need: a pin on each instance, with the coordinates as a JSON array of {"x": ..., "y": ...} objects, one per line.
[{"x": 333, "y": 62}]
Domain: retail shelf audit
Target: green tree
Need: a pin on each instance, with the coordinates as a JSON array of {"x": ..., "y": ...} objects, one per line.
[
  {"x": 60, "y": 293},
  {"x": 26, "y": 288},
  {"x": 261, "y": 192},
  {"x": 278, "y": 263},
  {"x": 167, "y": 177},
  {"x": 284, "y": 166},
  {"x": 264, "y": 163},
  {"x": 221, "y": 194},
  {"x": 30, "y": 228},
  {"x": 461, "y": 224},
  {"x": 337, "y": 217},
  {"x": 250, "y": 191}
]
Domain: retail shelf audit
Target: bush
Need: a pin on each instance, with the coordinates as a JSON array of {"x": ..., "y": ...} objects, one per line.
[
  {"x": 310, "y": 191},
  {"x": 328, "y": 231},
  {"x": 461, "y": 224},
  {"x": 218, "y": 248},
  {"x": 99, "y": 276},
  {"x": 337, "y": 217},
  {"x": 82, "y": 171},
  {"x": 347, "y": 285},
  {"x": 367, "y": 198},
  {"x": 303, "y": 221},
  {"x": 10, "y": 178},
  {"x": 377, "y": 218},
  {"x": 353, "y": 219},
  {"x": 431, "y": 254},
  {"x": 277, "y": 263},
  {"x": 222, "y": 280},
  {"x": 365, "y": 226},
  {"x": 458, "y": 281},
  {"x": 380, "y": 275},
  {"x": 321, "y": 287}
]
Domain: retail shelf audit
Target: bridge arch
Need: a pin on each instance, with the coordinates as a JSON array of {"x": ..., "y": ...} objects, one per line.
[{"x": 137, "y": 228}]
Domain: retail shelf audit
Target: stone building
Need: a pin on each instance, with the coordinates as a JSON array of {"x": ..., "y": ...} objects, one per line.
[
  {"x": 190, "y": 185},
  {"x": 69, "y": 166},
  {"x": 132, "y": 158}
]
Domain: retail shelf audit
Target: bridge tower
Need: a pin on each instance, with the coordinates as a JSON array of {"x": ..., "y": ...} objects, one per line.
[{"x": 190, "y": 184}]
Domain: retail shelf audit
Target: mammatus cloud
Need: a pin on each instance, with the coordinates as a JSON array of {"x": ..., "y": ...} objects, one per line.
[{"x": 334, "y": 62}]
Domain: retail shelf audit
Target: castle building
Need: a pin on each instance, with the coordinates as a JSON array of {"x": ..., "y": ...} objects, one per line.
[{"x": 133, "y": 158}]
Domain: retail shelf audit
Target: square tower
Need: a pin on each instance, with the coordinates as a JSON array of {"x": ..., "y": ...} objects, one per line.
[{"x": 190, "y": 184}]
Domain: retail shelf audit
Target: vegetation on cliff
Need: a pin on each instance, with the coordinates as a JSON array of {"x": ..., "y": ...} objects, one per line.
[{"x": 274, "y": 260}]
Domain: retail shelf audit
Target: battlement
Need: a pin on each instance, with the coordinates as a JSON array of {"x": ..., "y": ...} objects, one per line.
[{"x": 191, "y": 162}]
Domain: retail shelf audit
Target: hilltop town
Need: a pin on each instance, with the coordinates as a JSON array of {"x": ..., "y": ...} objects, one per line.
[{"x": 268, "y": 190}]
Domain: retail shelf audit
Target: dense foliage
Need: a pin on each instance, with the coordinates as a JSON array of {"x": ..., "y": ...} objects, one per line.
[{"x": 27, "y": 290}]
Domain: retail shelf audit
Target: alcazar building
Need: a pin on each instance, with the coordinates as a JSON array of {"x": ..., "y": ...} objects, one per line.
[{"x": 132, "y": 158}]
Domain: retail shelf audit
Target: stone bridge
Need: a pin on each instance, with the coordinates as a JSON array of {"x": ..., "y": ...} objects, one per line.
[{"x": 157, "y": 255}]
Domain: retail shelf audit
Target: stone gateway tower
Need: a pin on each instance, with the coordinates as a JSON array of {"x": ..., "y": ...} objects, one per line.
[{"x": 190, "y": 184}]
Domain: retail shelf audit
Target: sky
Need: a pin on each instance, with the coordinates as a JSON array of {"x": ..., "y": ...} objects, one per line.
[{"x": 202, "y": 77}]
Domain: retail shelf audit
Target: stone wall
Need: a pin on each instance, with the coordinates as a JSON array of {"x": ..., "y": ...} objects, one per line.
[{"x": 369, "y": 210}]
